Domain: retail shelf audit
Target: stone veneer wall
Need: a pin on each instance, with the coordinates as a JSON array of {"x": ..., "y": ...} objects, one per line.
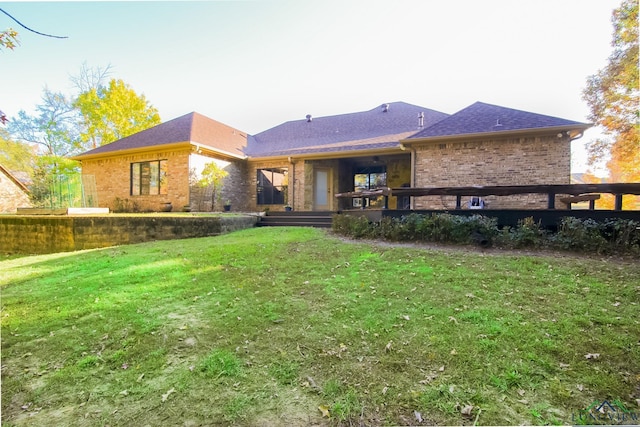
[
  {"x": 12, "y": 196},
  {"x": 50, "y": 234},
  {"x": 510, "y": 161},
  {"x": 252, "y": 181},
  {"x": 113, "y": 179}
]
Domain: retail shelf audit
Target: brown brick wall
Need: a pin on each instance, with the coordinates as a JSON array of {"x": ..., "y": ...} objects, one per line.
[
  {"x": 12, "y": 197},
  {"x": 113, "y": 180},
  {"x": 511, "y": 161}
]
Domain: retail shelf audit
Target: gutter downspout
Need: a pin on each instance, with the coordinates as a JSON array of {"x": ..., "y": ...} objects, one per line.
[{"x": 292, "y": 183}]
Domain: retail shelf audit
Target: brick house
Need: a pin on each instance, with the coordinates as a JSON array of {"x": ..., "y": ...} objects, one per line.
[
  {"x": 14, "y": 193},
  {"x": 304, "y": 163}
]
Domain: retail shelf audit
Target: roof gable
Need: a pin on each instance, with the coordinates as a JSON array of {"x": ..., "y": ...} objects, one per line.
[
  {"x": 344, "y": 131},
  {"x": 481, "y": 118},
  {"x": 14, "y": 179},
  {"x": 193, "y": 128}
]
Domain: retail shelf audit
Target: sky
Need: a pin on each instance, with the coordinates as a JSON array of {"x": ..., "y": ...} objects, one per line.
[{"x": 254, "y": 64}]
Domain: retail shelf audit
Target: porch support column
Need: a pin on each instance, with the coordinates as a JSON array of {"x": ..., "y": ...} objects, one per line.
[{"x": 618, "y": 203}]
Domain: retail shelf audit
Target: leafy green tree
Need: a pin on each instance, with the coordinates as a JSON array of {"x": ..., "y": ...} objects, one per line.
[
  {"x": 613, "y": 98},
  {"x": 212, "y": 177},
  {"x": 113, "y": 112},
  {"x": 53, "y": 128},
  {"x": 15, "y": 155}
]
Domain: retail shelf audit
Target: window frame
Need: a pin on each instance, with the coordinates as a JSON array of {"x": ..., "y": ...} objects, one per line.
[
  {"x": 272, "y": 194},
  {"x": 148, "y": 178}
]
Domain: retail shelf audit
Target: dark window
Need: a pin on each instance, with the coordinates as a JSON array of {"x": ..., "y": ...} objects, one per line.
[
  {"x": 149, "y": 178},
  {"x": 370, "y": 178},
  {"x": 272, "y": 186}
]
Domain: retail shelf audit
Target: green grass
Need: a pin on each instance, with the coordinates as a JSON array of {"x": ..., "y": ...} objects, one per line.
[{"x": 266, "y": 326}]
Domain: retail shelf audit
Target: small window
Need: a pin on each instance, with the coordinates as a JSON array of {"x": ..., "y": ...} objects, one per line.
[
  {"x": 273, "y": 184},
  {"x": 149, "y": 178}
]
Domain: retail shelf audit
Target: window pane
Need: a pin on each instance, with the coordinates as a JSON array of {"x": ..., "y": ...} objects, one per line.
[
  {"x": 145, "y": 177},
  {"x": 271, "y": 186},
  {"x": 163, "y": 177},
  {"x": 135, "y": 179},
  {"x": 154, "y": 178}
]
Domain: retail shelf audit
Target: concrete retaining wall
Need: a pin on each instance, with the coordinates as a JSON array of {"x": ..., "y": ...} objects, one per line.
[{"x": 49, "y": 234}]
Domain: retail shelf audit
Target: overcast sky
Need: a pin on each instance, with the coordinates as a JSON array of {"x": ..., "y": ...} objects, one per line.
[{"x": 256, "y": 64}]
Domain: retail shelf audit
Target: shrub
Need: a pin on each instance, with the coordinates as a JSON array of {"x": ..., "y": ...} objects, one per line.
[
  {"x": 528, "y": 233},
  {"x": 580, "y": 234},
  {"x": 588, "y": 235}
]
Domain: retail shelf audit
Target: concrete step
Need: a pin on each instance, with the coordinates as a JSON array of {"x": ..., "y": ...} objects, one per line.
[{"x": 300, "y": 219}]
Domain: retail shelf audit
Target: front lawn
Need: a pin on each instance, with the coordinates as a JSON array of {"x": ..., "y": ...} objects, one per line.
[{"x": 294, "y": 327}]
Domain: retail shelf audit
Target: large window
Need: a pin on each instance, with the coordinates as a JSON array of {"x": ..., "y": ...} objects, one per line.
[
  {"x": 272, "y": 186},
  {"x": 370, "y": 178},
  {"x": 149, "y": 178}
]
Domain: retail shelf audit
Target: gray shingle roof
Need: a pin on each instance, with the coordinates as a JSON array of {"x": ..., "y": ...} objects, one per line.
[
  {"x": 345, "y": 132},
  {"x": 486, "y": 118},
  {"x": 192, "y": 127}
]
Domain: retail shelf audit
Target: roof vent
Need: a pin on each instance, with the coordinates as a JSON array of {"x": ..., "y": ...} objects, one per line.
[
  {"x": 498, "y": 124},
  {"x": 309, "y": 118},
  {"x": 385, "y": 108},
  {"x": 421, "y": 119}
]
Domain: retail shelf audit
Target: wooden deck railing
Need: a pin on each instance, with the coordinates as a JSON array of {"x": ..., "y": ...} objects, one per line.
[{"x": 578, "y": 192}]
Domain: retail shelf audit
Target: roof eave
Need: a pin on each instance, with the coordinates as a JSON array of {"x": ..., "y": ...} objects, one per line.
[
  {"x": 129, "y": 151},
  {"x": 574, "y": 130},
  {"x": 202, "y": 149},
  {"x": 329, "y": 154}
]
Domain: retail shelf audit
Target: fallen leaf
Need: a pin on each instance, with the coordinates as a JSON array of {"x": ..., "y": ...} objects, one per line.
[
  {"x": 418, "y": 416},
  {"x": 453, "y": 319},
  {"x": 592, "y": 356},
  {"x": 429, "y": 379},
  {"x": 466, "y": 411},
  {"x": 124, "y": 392},
  {"x": 388, "y": 346},
  {"x": 325, "y": 411},
  {"x": 441, "y": 368},
  {"x": 454, "y": 352},
  {"x": 523, "y": 401},
  {"x": 405, "y": 317},
  {"x": 452, "y": 388},
  {"x": 580, "y": 387},
  {"x": 521, "y": 392},
  {"x": 166, "y": 395}
]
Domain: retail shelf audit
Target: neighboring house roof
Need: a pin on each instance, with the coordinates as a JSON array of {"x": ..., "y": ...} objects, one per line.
[
  {"x": 482, "y": 119},
  {"x": 366, "y": 130},
  {"x": 13, "y": 178},
  {"x": 192, "y": 128}
]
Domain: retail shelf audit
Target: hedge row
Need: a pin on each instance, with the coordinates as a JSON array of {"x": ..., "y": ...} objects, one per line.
[{"x": 613, "y": 236}]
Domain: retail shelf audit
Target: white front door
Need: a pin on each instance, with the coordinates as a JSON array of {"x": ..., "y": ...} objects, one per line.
[{"x": 322, "y": 190}]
